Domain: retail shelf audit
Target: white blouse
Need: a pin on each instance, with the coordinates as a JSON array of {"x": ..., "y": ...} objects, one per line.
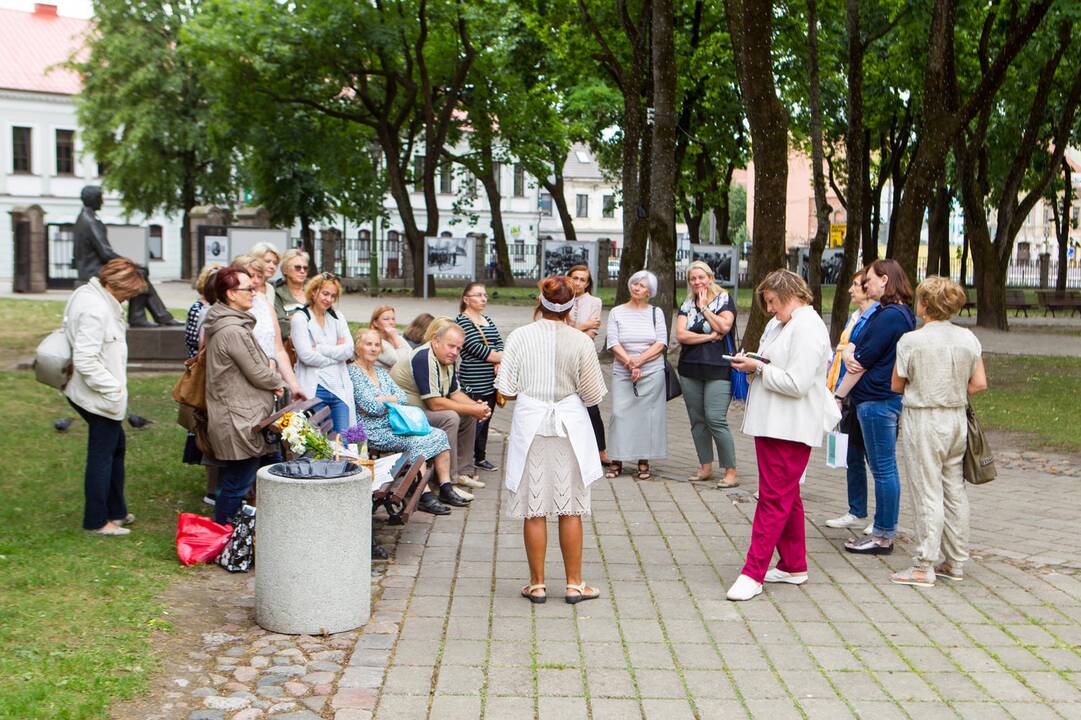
[{"x": 321, "y": 358}]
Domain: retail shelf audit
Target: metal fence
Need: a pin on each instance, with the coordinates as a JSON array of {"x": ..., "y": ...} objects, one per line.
[{"x": 1018, "y": 274}]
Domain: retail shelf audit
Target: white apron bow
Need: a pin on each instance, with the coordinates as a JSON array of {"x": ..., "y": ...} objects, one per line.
[{"x": 570, "y": 419}]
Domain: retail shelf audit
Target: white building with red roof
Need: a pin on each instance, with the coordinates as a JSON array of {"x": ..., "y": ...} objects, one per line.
[{"x": 42, "y": 161}]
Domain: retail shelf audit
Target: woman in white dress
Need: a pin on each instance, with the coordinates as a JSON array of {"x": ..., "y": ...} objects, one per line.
[{"x": 551, "y": 369}]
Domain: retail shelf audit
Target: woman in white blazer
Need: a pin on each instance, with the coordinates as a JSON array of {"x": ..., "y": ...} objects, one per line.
[
  {"x": 323, "y": 345},
  {"x": 788, "y": 412},
  {"x": 98, "y": 388}
]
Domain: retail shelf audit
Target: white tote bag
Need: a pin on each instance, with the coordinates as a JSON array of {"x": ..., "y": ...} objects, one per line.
[{"x": 837, "y": 449}]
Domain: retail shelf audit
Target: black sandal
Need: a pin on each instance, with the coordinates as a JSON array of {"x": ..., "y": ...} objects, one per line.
[
  {"x": 643, "y": 470},
  {"x": 615, "y": 469}
]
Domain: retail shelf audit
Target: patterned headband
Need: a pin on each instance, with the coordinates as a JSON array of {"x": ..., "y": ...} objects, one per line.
[{"x": 552, "y": 307}]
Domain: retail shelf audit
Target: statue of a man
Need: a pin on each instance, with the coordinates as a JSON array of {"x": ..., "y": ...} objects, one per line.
[{"x": 92, "y": 250}]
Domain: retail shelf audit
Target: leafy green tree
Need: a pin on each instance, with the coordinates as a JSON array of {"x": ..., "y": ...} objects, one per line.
[{"x": 143, "y": 110}]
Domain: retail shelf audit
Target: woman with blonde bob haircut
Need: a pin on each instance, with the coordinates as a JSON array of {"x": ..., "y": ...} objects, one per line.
[
  {"x": 324, "y": 345},
  {"x": 937, "y": 368},
  {"x": 289, "y": 290},
  {"x": 703, "y": 323},
  {"x": 788, "y": 412}
]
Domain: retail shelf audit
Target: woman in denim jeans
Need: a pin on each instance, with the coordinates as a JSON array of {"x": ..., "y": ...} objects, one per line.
[{"x": 878, "y": 407}]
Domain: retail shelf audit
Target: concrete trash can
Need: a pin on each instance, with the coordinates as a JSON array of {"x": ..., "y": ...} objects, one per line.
[{"x": 313, "y": 553}]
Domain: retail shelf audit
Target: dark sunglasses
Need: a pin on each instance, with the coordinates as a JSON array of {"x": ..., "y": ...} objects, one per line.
[
  {"x": 329, "y": 276},
  {"x": 300, "y": 268}
]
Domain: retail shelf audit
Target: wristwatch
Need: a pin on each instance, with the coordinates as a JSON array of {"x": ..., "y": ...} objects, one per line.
[{"x": 758, "y": 370}]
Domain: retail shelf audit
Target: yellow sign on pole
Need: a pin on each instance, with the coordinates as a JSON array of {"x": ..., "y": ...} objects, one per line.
[{"x": 837, "y": 234}]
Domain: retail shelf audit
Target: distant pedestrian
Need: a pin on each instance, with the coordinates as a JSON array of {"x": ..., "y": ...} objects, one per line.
[
  {"x": 840, "y": 384},
  {"x": 240, "y": 391},
  {"x": 788, "y": 411},
  {"x": 482, "y": 352},
  {"x": 938, "y": 367},
  {"x": 324, "y": 345},
  {"x": 385, "y": 322},
  {"x": 637, "y": 337},
  {"x": 586, "y": 316},
  {"x": 878, "y": 407},
  {"x": 98, "y": 388},
  {"x": 551, "y": 369},
  {"x": 703, "y": 324}
]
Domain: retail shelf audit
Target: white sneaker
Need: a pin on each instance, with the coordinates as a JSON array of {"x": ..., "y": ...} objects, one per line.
[
  {"x": 775, "y": 575},
  {"x": 870, "y": 528},
  {"x": 848, "y": 520},
  {"x": 462, "y": 493},
  {"x": 744, "y": 588},
  {"x": 470, "y": 481}
]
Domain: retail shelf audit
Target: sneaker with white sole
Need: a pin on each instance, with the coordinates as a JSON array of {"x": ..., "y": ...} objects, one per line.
[
  {"x": 776, "y": 575},
  {"x": 869, "y": 529},
  {"x": 463, "y": 493},
  {"x": 744, "y": 588},
  {"x": 848, "y": 520},
  {"x": 470, "y": 481}
]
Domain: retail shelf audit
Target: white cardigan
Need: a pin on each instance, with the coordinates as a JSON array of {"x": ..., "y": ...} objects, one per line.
[
  {"x": 789, "y": 400},
  {"x": 94, "y": 325},
  {"x": 320, "y": 356}
]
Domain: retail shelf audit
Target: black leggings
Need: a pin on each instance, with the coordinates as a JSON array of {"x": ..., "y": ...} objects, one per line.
[
  {"x": 103, "y": 481},
  {"x": 598, "y": 426},
  {"x": 480, "y": 442}
]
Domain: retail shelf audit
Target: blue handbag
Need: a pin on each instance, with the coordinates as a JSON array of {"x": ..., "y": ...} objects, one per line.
[
  {"x": 407, "y": 420},
  {"x": 737, "y": 379}
]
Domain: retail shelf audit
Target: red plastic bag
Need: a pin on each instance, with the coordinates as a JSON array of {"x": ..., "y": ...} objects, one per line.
[{"x": 200, "y": 539}]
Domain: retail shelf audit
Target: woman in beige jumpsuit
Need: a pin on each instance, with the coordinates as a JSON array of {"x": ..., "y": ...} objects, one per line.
[{"x": 937, "y": 368}]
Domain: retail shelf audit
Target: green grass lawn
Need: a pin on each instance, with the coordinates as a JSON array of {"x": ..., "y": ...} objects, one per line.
[{"x": 76, "y": 610}]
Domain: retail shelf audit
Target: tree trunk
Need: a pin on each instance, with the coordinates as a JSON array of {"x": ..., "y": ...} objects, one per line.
[
  {"x": 963, "y": 277},
  {"x": 504, "y": 274},
  {"x": 751, "y": 30},
  {"x": 938, "y": 232},
  {"x": 1063, "y": 231},
  {"x": 692, "y": 218},
  {"x": 662, "y": 204},
  {"x": 399, "y": 190},
  {"x": 559, "y": 199},
  {"x": 307, "y": 242},
  {"x": 633, "y": 257},
  {"x": 818, "y": 159},
  {"x": 188, "y": 254},
  {"x": 722, "y": 213}
]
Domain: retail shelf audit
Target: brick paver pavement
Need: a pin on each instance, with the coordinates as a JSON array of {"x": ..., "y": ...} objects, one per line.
[{"x": 457, "y": 641}]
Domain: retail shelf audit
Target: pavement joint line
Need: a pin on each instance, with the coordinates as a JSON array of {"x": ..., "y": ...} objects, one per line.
[
  {"x": 615, "y": 607},
  {"x": 911, "y": 621},
  {"x": 491, "y": 599},
  {"x": 776, "y": 604},
  {"x": 676, "y": 664},
  {"x": 582, "y": 662}
]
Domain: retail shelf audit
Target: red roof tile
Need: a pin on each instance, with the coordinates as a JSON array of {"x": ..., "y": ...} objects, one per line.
[{"x": 31, "y": 43}]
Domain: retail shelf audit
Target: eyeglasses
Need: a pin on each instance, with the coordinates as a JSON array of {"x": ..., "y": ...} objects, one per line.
[
  {"x": 329, "y": 276},
  {"x": 244, "y": 289},
  {"x": 300, "y": 268}
]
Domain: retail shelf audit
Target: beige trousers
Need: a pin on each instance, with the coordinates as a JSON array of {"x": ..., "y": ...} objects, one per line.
[
  {"x": 930, "y": 448},
  {"x": 461, "y": 431}
]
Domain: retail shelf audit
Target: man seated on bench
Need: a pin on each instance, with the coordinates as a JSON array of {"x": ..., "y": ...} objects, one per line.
[
  {"x": 373, "y": 388},
  {"x": 430, "y": 381}
]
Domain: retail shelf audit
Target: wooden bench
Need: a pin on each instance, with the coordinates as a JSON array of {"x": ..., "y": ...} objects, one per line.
[
  {"x": 318, "y": 418},
  {"x": 1017, "y": 300},
  {"x": 1059, "y": 300}
]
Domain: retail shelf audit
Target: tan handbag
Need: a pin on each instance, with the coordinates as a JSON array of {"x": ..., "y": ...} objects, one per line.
[
  {"x": 979, "y": 463},
  {"x": 190, "y": 388}
]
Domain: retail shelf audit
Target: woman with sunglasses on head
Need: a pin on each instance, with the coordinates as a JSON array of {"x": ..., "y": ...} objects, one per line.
[
  {"x": 586, "y": 316},
  {"x": 289, "y": 290},
  {"x": 878, "y": 407},
  {"x": 324, "y": 345},
  {"x": 481, "y": 355}
]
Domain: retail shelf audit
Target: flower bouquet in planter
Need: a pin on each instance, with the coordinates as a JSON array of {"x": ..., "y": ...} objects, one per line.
[
  {"x": 303, "y": 438},
  {"x": 356, "y": 436}
]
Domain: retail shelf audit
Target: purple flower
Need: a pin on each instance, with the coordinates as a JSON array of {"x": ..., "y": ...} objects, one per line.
[{"x": 355, "y": 434}]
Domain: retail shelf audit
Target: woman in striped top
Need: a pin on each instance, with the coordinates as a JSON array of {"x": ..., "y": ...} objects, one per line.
[{"x": 480, "y": 358}]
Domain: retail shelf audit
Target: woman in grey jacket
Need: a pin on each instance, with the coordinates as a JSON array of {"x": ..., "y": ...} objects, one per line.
[
  {"x": 98, "y": 388},
  {"x": 240, "y": 391}
]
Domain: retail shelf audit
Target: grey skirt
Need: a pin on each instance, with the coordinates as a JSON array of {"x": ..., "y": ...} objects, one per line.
[
  {"x": 551, "y": 482},
  {"x": 639, "y": 426}
]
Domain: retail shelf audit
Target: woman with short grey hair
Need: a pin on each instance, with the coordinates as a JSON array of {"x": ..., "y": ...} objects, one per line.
[{"x": 638, "y": 338}]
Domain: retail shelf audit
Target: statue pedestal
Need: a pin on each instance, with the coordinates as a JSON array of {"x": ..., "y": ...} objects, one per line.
[{"x": 156, "y": 344}]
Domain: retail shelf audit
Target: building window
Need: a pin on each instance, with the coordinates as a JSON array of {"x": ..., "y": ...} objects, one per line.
[
  {"x": 444, "y": 178},
  {"x": 545, "y": 204},
  {"x": 418, "y": 173},
  {"x": 101, "y": 169},
  {"x": 582, "y": 206},
  {"x": 519, "y": 181},
  {"x": 608, "y": 208},
  {"x": 20, "y": 149},
  {"x": 155, "y": 248},
  {"x": 65, "y": 152}
]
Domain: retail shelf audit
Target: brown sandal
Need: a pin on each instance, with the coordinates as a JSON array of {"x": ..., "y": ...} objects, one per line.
[
  {"x": 643, "y": 470},
  {"x": 615, "y": 469}
]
